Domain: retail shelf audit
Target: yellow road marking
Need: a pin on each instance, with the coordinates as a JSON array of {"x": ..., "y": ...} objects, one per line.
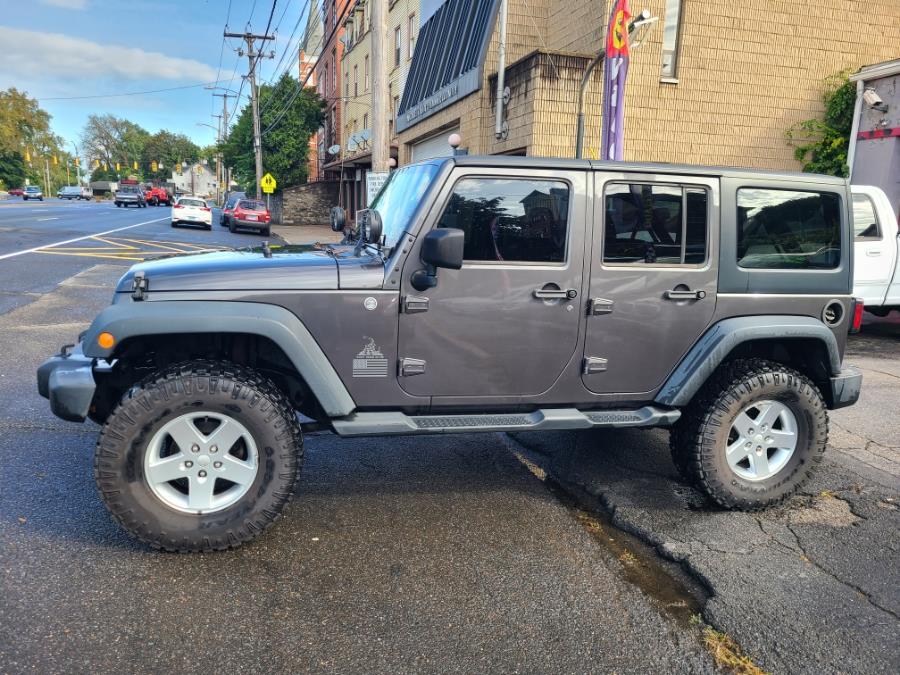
[{"x": 128, "y": 249}]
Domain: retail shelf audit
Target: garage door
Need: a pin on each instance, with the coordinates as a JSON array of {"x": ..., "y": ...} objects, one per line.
[{"x": 436, "y": 146}]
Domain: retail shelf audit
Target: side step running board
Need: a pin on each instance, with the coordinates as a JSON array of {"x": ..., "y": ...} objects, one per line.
[{"x": 388, "y": 423}]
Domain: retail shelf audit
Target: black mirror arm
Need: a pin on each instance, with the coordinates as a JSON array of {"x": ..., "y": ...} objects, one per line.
[{"x": 423, "y": 279}]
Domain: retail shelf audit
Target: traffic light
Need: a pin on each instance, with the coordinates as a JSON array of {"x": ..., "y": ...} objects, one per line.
[
  {"x": 27, "y": 155},
  {"x": 76, "y": 162},
  {"x": 154, "y": 166},
  {"x": 55, "y": 160},
  {"x": 135, "y": 166},
  {"x": 117, "y": 166},
  {"x": 96, "y": 163},
  {"x": 178, "y": 168}
]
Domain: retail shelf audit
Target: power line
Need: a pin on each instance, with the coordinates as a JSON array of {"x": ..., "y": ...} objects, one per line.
[
  {"x": 276, "y": 75},
  {"x": 129, "y": 93}
]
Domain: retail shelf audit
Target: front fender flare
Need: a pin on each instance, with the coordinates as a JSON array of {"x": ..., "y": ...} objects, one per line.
[
  {"x": 711, "y": 349},
  {"x": 132, "y": 319}
]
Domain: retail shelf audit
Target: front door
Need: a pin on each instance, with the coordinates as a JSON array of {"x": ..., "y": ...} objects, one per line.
[
  {"x": 653, "y": 278},
  {"x": 507, "y": 323}
]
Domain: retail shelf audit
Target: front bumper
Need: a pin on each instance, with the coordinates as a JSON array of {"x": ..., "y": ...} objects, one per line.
[
  {"x": 67, "y": 380},
  {"x": 845, "y": 387}
]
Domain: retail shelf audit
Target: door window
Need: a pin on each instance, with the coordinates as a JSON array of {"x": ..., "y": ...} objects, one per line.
[
  {"x": 510, "y": 219},
  {"x": 787, "y": 229},
  {"x": 655, "y": 224},
  {"x": 865, "y": 220}
]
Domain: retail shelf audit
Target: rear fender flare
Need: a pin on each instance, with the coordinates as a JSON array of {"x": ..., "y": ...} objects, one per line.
[{"x": 720, "y": 339}]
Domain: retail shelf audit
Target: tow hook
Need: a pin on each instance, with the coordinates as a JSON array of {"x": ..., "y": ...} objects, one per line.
[{"x": 64, "y": 351}]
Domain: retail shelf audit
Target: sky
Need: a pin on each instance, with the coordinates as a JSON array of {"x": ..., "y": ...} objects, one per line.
[{"x": 78, "y": 48}]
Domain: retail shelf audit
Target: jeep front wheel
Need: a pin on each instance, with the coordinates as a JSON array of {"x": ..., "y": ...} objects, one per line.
[
  {"x": 203, "y": 456},
  {"x": 753, "y": 435}
]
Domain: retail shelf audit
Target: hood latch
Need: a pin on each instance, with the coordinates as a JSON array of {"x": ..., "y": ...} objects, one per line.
[{"x": 139, "y": 286}]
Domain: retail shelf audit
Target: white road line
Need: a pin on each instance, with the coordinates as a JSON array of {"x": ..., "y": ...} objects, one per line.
[
  {"x": 72, "y": 241},
  {"x": 51, "y": 218}
]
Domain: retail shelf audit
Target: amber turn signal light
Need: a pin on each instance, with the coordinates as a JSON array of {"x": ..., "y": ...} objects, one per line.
[{"x": 106, "y": 340}]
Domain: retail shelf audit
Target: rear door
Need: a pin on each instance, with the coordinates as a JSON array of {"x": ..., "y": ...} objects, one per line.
[
  {"x": 653, "y": 277},
  {"x": 874, "y": 251}
]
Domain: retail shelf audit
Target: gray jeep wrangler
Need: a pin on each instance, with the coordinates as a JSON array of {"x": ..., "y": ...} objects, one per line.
[{"x": 482, "y": 294}]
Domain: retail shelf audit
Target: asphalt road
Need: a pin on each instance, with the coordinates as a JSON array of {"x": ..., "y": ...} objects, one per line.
[{"x": 442, "y": 554}]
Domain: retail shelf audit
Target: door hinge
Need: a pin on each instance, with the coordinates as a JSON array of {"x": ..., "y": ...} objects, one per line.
[
  {"x": 413, "y": 304},
  {"x": 593, "y": 364},
  {"x": 410, "y": 367},
  {"x": 139, "y": 286},
  {"x": 600, "y": 306}
]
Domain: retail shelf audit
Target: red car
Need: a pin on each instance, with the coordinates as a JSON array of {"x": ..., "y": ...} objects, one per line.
[
  {"x": 16, "y": 192},
  {"x": 252, "y": 214}
]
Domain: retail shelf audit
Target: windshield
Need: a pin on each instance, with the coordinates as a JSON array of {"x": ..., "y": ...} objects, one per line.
[{"x": 399, "y": 198}]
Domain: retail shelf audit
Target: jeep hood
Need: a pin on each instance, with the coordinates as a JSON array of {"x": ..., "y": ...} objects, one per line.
[{"x": 304, "y": 267}]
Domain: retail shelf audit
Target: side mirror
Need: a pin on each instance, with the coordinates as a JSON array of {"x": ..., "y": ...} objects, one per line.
[
  {"x": 444, "y": 248},
  {"x": 440, "y": 248}
]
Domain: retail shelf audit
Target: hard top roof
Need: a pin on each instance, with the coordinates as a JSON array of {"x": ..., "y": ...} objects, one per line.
[{"x": 510, "y": 162}]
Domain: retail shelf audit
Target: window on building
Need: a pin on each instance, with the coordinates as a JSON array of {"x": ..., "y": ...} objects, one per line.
[
  {"x": 355, "y": 81},
  {"x": 671, "y": 30},
  {"x": 510, "y": 220},
  {"x": 366, "y": 63},
  {"x": 865, "y": 220},
  {"x": 396, "y": 110},
  {"x": 333, "y": 69},
  {"x": 655, "y": 224},
  {"x": 397, "y": 45},
  {"x": 784, "y": 229},
  {"x": 346, "y": 86},
  {"x": 366, "y": 121},
  {"x": 410, "y": 36}
]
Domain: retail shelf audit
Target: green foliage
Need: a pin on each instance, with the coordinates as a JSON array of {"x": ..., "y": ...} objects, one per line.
[
  {"x": 286, "y": 146},
  {"x": 167, "y": 148},
  {"x": 12, "y": 170},
  {"x": 822, "y": 145}
]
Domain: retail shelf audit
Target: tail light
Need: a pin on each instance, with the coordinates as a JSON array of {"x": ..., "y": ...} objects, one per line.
[
  {"x": 205, "y": 208},
  {"x": 178, "y": 206},
  {"x": 858, "y": 306},
  {"x": 266, "y": 216}
]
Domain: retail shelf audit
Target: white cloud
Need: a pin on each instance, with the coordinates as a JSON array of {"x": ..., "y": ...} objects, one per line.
[
  {"x": 66, "y": 4},
  {"x": 31, "y": 54}
]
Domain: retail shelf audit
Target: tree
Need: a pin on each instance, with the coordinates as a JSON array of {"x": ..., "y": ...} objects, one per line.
[
  {"x": 12, "y": 170},
  {"x": 112, "y": 139},
  {"x": 167, "y": 149},
  {"x": 288, "y": 118},
  {"x": 27, "y": 143},
  {"x": 823, "y": 145}
]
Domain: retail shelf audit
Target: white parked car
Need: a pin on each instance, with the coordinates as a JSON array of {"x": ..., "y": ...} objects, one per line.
[
  {"x": 876, "y": 258},
  {"x": 191, "y": 210}
]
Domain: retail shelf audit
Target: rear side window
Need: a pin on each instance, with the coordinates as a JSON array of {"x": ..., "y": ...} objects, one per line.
[
  {"x": 865, "y": 220},
  {"x": 510, "y": 219},
  {"x": 786, "y": 229},
  {"x": 655, "y": 224}
]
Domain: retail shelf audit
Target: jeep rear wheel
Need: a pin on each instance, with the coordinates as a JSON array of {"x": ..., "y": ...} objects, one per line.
[
  {"x": 753, "y": 435},
  {"x": 203, "y": 456}
]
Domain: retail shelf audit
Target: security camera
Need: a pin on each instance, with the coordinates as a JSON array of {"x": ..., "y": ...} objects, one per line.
[{"x": 873, "y": 100}]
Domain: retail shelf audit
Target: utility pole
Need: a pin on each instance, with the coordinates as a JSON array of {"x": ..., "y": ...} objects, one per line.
[
  {"x": 47, "y": 175},
  {"x": 254, "y": 57},
  {"x": 226, "y": 179},
  {"x": 380, "y": 134}
]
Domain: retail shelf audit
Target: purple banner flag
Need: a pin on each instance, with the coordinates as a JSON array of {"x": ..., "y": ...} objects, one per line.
[{"x": 615, "y": 74}]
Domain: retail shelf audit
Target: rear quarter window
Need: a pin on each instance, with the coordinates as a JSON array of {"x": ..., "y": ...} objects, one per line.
[{"x": 788, "y": 229}]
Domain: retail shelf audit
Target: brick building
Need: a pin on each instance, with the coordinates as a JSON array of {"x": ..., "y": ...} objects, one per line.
[
  {"x": 327, "y": 74},
  {"x": 308, "y": 52},
  {"x": 715, "y": 82}
]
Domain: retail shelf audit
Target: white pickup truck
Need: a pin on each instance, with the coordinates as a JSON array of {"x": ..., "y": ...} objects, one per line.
[{"x": 876, "y": 278}]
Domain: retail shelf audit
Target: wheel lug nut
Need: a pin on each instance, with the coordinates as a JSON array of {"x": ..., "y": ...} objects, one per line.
[
  {"x": 195, "y": 448},
  {"x": 201, "y": 473},
  {"x": 189, "y": 464},
  {"x": 751, "y": 430},
  {"x": 748, "y": 444},
  {"x": 218, "y": 465},
  {"x": 214, "y": 448},
  {"x": 768, "y": 439}
]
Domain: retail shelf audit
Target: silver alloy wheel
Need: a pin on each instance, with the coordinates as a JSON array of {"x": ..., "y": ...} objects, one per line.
[
  {"x": 762, "y": 439},
  {"x": 195, "y": 454}
]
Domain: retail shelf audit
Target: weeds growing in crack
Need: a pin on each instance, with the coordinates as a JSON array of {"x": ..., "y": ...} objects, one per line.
[{"x": 727, "y": 654}]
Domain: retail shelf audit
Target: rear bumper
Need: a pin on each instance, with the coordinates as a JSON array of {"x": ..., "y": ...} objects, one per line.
[
  {"x": 845, "y": 387},
  {"x": 67, "y": 381},
  {"x": 255, "y": 224}
]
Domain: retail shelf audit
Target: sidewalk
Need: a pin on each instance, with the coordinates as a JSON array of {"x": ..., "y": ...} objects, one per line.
[{"x": 306, "y": 234}]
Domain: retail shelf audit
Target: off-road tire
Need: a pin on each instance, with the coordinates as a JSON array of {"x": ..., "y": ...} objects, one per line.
[
  {"x": 699, "y": 438},
  {"x": 214, "y": 386}
]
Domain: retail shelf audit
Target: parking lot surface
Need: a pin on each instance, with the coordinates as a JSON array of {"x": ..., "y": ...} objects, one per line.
[{"x": 550, "y": 552}]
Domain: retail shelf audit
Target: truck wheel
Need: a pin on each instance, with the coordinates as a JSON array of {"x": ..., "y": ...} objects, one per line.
[
  {"x": 753, "y": 435},
  {"x": 202, "y": 456}
]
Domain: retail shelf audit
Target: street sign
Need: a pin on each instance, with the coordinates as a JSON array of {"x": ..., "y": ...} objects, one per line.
[
  {"x": 268, "y": 183},
  {"x": 375, "y": 180}
]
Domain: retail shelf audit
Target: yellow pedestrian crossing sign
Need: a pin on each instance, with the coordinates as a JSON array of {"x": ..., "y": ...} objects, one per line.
[{"x": 268, "y": 184}]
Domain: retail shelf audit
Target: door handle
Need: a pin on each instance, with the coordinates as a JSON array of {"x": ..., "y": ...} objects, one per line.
[
  {"x": 555, "y": 293},
  {"x": 873, "y": 253},
  {"x": 685, "y": 295}
]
